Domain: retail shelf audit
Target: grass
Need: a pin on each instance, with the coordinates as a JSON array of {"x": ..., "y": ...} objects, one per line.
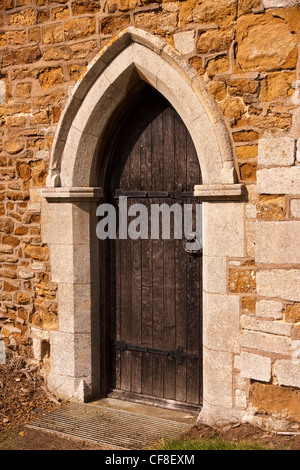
[{"x": 208, "y": 444}]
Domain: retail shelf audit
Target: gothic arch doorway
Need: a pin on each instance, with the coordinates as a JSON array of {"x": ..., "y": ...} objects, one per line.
[{"x": 72, "y": 196}]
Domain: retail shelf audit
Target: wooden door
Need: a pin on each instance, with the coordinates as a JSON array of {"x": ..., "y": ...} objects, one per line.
[{"x": 152, "y": 289}]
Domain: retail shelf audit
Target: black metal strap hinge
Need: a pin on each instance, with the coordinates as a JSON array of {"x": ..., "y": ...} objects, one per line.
[{"x": 178, "y": 354}]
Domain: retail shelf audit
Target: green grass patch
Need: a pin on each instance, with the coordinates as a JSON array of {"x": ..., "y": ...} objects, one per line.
[{"x": 208, "y": 444}]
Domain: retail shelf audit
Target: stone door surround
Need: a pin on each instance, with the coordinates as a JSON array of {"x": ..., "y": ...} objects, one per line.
[{"x": 72, "y": 195}]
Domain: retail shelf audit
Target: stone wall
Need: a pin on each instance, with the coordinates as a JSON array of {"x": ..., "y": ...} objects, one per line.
[{"x": 247, "y": 53}]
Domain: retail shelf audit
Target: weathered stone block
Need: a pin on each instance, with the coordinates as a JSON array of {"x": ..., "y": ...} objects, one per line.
[
  {"x": 277, "y": 86},
  {"x": 292, "y": 313},
  {"x": 254, "y": 366},
  {"x": 267, "y": 326},
  {"x": 242, "y": 280},
  {"x": 221, "y": 314},
  {"x": 295, "y": 207},
  {"x": 274, "y": 400},
  {"x": 79, "y": 28},
  {"x": 267, "y": 342},
  {"x": 2, "y": 353},
  {"x": 215, "y": 269},
  {"x": 214, "y": 41},
  {"x": 278, "y": 180},
  {"x": 277, "y": 242},
  {"x": 218, "y": 379},
  {"x": 24, "y": 55},
  {"x": 269, "y": 309},
  {"x": 23, "y": 17},
  {"x": 53, "y": 33},
  {"x": 50, "y": 76},
  {"x": 271, "y": 207},
  {"x": 265, "y": 43},
  {"x": 276, "y": 151},
  {"x": 185, "y": 42},
  {"x": 226, "y": 219},
  {"x": 282, "y": 283},
  {"x": 287, "y": 372}
]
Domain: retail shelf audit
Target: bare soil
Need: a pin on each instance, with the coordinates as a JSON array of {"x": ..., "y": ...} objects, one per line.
[{"x": 24, "y": 398}]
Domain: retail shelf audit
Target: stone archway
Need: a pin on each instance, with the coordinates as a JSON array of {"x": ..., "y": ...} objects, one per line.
[{"x": 71, "y": 197}]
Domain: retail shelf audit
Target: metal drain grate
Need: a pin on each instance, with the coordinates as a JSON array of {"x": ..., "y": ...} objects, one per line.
[{"x": 112, "y": 427}]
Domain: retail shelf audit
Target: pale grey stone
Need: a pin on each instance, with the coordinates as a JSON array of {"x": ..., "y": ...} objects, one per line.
[
  {"x": 287, "y": 373},
  {"x": 266, "y": 342},
  {"x": 279, "y": 180},
  {"x": 2, "y": 352},
  {"x": 254, "y": 366},
  {"x": 295, "y": 207},
  {"x": 269, "y": 308},
  {"x": 224, "y": 229},
  {"x": 221, "y": 322},
  {"x": 218, "y": 378},
  {"x": 215, "y": 274},
  {"x": 298, "y": 151},
  {"x": 279, "y": 283},
  {"x": 240, "y": 398},
  {"x": 185, "y": 41},
  {"x": 276, "y": 151},
  {"x": 274, "y": 327},
  {"x": 277, "y": 242},
  {"x": 2, "y": 92},
  {"x": 280, "y": 3}
]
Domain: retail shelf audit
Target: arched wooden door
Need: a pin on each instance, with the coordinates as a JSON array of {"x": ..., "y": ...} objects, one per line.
[{"x": 151, "y": 288}]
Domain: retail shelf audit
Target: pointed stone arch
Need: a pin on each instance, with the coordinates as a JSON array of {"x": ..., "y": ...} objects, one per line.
[
  {"x": 136, "y": 55},
  {"x": 72, "y": 195}
]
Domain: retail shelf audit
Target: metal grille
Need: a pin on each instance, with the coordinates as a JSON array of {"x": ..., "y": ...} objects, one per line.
[{"x": 107, "y": 426}]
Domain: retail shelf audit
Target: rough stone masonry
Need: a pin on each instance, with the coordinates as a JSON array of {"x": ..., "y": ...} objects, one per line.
[{"x": 247, "y": 53}]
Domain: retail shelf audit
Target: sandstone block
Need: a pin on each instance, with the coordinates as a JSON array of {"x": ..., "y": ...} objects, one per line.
[
  {"x": 271, "y": 207},
  {"x": 278, "y": 242},
  {"x": 214, "y": 41},
  {"x": 275, "y": 400},
  {"x": 39, "y": 253},
  {"x": 292, "y": 313},
  {"x": 112, "y": 24},
  {"x": 50, "y": 76},
  {"x": 282, "y": 283},
  {"x": 23, "y": 17},
  {"x": 276, "y": 151},
  {"x": 245, "y": 136},
  {"x": 279, "y": 180},
  {"x": 79, "y": 28},
  {"x": 246, "y": 152},
  {"x": 53, "y": 33},
  {"x": 265, "y": 43},
  {"x": 223, "y": 13},
  {"x": 277, "y": 86},
  {"x": 24, "y": 55},
  {"x": 215, "y": 279},
  {"x": 242, "y": 280}
]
